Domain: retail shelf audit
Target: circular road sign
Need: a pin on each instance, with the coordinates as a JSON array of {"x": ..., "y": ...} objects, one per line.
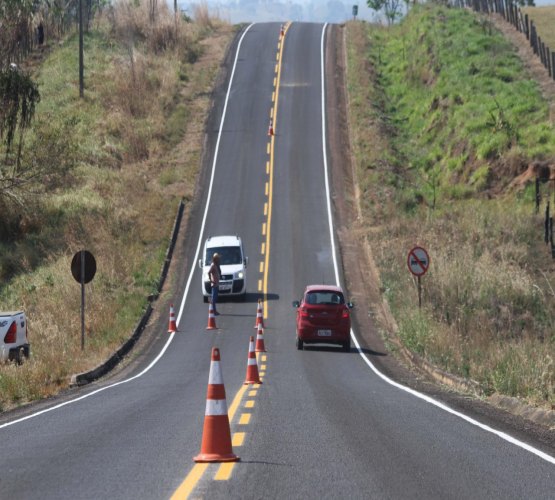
[
  {"x": 90, "y": 266},
  {"x": 418, "y": 261}
]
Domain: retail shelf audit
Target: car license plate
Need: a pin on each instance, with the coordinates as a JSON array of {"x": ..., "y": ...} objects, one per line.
[
  {"x": 324, "y": 333},
  {"x": 225, "y": 287}
]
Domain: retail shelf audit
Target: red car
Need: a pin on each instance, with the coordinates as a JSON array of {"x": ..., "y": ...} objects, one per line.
[{"x": 323, "y": 317}]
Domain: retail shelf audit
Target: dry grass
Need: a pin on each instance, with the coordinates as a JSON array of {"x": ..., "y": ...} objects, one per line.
[
  {"x": 489, "y": 295},
  {"x": 139, "y": 154},
  {"x": 544, "y": 19}
]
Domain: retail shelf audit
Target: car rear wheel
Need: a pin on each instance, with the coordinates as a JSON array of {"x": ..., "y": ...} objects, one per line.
[{"x": 299, "y": 344}]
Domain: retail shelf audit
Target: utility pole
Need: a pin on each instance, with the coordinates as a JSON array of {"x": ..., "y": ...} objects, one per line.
[{"x": 81, "y": 70}]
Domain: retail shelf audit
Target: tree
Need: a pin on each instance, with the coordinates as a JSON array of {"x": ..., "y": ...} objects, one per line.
[
  {"x": 390, "y": 8},
  {"x": 19, "y": 95}
]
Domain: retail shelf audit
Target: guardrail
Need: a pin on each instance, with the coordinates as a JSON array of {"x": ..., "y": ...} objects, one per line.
[{"x": 114, "y": 359}]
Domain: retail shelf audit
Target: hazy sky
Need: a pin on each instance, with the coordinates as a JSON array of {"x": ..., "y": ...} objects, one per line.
[{"x": 335, "y": 11}]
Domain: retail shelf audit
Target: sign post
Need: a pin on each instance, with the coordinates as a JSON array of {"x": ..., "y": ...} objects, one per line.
[
  {"x": 83, "y": 269},
  {"x": 418, "y": 262},
  {"x": 355, "y": 12}
]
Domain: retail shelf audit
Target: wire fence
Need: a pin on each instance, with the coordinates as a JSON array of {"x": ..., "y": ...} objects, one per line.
[{"x": 513, "y": 14}]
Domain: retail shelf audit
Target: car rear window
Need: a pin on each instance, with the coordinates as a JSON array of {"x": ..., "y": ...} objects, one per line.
[{"x": 324, "y": 298}]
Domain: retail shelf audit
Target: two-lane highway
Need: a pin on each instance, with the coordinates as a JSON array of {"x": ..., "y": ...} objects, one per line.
[{"x": 322, "y": 424}]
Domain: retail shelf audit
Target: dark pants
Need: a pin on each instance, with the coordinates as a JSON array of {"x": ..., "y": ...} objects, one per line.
[{"x": 214, "y": 298}]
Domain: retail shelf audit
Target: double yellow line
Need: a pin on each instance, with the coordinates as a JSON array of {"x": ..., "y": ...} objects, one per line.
[{"x": 225, "y": 470}]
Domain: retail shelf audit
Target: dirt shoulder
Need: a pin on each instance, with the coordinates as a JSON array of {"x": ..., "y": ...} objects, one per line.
[{"x": 372, "y": 319}]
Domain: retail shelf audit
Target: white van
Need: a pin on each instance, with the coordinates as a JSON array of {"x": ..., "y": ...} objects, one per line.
[
  {"x": 13, "y": 336},
  {"x": 233, "y": 266}
]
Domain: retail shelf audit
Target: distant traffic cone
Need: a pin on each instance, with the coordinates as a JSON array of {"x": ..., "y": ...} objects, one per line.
[
  {"x": 260, "y": 347},
  {"x": 259, "y": 315},
  {"x": 172, "y": 328},
  {"x": 211, "y": 318},
  {"x": 216, "y": 434},
  {"x": 271, "y": 128},
  {"x": 252, "y": 376},
  {"x": 282, "y": 31}
]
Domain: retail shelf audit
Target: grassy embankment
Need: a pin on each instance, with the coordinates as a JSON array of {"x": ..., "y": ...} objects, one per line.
[
  {"x": 444, "y": 118},
  {"x": 135, "y": 142}
]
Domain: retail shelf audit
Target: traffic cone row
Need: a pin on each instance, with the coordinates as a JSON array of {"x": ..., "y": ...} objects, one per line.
[
  {"x": 259, "y": 315},
  {"x": 282, "y": 31},
  {"x": 271, "y": 128},
  {"x": 216, "y": 443}
]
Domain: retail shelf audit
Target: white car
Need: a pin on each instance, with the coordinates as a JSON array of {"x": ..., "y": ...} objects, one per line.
[
  {"x": 13, "y": 336},
  {"x": 233, "y": 266}
]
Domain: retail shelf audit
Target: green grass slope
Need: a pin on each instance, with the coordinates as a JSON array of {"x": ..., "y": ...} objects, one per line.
[{"x": 444, "y": 118}]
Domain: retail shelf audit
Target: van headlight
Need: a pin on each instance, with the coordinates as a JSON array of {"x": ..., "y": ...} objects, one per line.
[{"x": 240, "y": 275}]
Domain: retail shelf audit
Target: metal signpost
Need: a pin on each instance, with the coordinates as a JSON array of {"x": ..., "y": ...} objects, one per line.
[
  {"x": 355, "y": 12},
  {"x": 83, "y": 269},
  {"x": 418, "y": 261}
]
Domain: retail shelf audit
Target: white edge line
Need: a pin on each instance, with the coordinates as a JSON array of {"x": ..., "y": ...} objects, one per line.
[
  {"x": 417, "y": 394},
  {"x": 191, "y": 274}
]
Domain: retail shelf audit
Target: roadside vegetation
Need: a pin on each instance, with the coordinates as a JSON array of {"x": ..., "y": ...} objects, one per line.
[
  {"x": 446, "y": 125},
  {"x": 119, "y": 161}
]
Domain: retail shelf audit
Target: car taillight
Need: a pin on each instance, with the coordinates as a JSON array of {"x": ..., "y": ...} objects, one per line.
[
  {"x": 10, "y": 337},
  {"x": 345, "y": 313}
]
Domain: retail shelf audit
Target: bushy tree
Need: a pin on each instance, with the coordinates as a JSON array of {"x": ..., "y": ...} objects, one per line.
[{"x": 390, "y": 8}]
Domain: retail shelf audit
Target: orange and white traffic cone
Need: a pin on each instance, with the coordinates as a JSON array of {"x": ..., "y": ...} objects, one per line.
[
  {"x": 271, "y": 128},
  {"x": 216, "y": 434},
  {"x": 211, "y": 318},
  {"x": 252, "y": 376},
  {"x": 282, "y": 31},
  {"x": 260, "y": 347},
  {"x": 172, "y": 328},
  {"x": 259, "y": 315}
]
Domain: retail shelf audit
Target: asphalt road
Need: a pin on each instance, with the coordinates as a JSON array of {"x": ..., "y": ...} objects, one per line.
[{"x": 323, "y": 424}]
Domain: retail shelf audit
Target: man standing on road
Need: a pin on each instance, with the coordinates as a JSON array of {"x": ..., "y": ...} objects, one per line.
[{"x": 214, "y": 274}]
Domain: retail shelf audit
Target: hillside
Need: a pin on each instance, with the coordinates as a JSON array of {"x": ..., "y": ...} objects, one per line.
[
  {"x": 444, "y": 118},
  {"x": 130, "y": 152}
]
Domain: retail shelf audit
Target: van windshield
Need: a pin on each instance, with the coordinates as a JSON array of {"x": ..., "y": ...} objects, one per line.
[{"x": 228, "y": 255}]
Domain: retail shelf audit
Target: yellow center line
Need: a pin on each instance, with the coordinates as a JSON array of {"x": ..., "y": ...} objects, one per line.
[
  {"x": 245, "y": 419},
  {"x": 238, "y": 439},
  {"x": 190, "y": 482},
  {"x": 270, "y": 171},
  {"x": 262, "y": 267},
  {"x": 252, "y": 393},
  {"x": 249, "y": 404},
  {"x": 224, "y": 471},
  {"x": 263, "y": 248}
]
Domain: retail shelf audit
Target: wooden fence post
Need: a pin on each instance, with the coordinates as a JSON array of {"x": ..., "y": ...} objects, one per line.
[
  {"x": 526, "y": 27},
  {"x": 553, "y": 65}
]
